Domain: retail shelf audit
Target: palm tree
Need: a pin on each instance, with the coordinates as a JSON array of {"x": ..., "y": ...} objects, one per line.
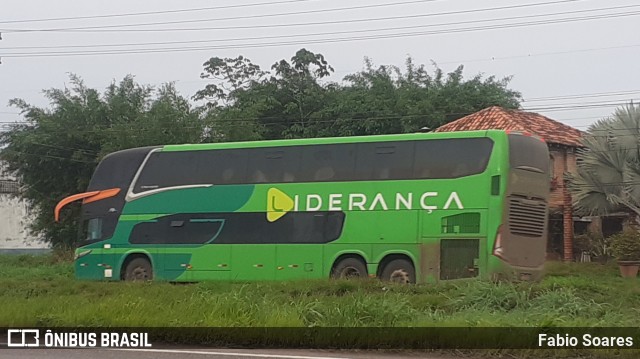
[{"x": 608, "y": 174}]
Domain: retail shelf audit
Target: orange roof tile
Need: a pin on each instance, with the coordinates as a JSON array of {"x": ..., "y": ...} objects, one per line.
[{"x": 498, "y": 118}]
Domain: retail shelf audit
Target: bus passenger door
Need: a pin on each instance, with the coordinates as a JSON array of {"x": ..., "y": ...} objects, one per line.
[
  {"x": 95, "y": 261},
  {"x": 89, "y": 265}
]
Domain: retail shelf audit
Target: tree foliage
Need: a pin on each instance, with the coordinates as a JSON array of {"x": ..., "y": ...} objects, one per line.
[
  {"x": 625, "y": 246},
  {"x": 56, "y": 150},
  {"x": 294, "y": 99},
  {"x": 388, "y": 99},
  {"x": 608, "y": 174}
]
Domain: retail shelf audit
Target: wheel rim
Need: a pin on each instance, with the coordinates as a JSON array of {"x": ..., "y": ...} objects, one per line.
[
  {"x": 400, "y": 276},
  {"x": 139, "y": 273},
  {"x": 350, "y": 272}
]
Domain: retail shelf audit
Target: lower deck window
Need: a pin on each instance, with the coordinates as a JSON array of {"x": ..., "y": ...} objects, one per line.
[{"x": 240, "y": 228}]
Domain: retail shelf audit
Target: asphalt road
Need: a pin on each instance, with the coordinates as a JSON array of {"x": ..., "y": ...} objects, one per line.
[{"x": 167, "y": 353}]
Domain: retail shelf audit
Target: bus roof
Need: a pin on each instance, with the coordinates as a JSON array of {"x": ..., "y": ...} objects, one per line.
[{"x": 330, "y": 140}]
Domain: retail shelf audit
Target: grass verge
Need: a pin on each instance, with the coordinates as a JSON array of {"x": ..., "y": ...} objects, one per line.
[{"x": 40, "y": 291}]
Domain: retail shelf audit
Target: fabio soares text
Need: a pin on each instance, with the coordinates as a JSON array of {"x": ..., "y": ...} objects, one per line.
[{"x": 586, "y": 340}]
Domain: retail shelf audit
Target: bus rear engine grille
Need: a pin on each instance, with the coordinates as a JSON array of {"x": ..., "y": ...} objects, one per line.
[{"x": 527, "y": 217}]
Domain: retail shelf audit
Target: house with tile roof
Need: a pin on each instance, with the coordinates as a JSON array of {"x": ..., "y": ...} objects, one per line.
[{"x": 563, "y": 142}]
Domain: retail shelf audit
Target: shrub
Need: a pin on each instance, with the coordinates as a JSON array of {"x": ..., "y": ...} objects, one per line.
[
  {"x": 625, "y": 246},
  {"x": 593, "y": 243}
]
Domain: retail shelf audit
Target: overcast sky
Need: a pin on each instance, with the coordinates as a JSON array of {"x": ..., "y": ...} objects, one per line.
[{"x": 573, "y": 60}]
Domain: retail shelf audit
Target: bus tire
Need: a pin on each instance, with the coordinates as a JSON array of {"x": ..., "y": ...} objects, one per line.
[
  {"x": 349, "y": 268},
  {"x": 138, "y": 269},
  {"x": 399, "y": 271}
]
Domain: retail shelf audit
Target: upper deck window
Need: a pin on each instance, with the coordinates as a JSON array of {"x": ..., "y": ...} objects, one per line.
[
  {"x": 452, "y": 158},
  {"x": 118, "y": 169},
  {"x": 170, "y": 169},
  {"x": 528, "y": 153},
  {"x": 395, "y": 160}
]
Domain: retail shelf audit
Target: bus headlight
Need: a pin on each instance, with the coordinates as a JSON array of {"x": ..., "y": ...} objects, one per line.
[{"x": 81, "y": 254}]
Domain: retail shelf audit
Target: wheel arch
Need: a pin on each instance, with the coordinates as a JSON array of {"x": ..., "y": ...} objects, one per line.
[
  {"x": 386, "y": 258},
  {"x": 348, "y": 254},
  {"x": 129, "y": 256}
]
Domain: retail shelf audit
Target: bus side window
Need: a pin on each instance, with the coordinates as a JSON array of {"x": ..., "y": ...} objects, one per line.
[
  {"x": 314, "y": 227},
  {"x": 257, "y": 176},
  {"x": 333, "y": 226},
  {"x": 273, "y": 165},
  {"x": 227, "y": 175},
  {"x": 460, "y": 170},
  {"x": 223, "y": 166},
  {"x": 233, "y": 166},
  {"x": 290, "y": 164},
  {"x": 288, "y": 177},
  {"x": 169, "y": 169},
  {"x": 324, "y": 174},
  {"x": 321, "y": 163},
  {"x": 259, "y": 171},
  {"x": 385, "y": 160},
  {"x": 431, "y": 159},
  {"x": 451, "y": 158},
  {"x": 325, "y": 160}
]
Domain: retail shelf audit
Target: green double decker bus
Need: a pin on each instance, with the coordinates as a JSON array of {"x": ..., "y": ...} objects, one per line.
[{"x": 409, "y": 208}]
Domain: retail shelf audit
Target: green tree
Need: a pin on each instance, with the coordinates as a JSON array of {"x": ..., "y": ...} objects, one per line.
[
  {"x": 608, "y": 173},
  {"x": 295, "y": 99},
  {"x": 366, "y": 103},
  {"x": 55, "y": 151},
  {"x": 388, "y": 99},
  {"x": 246, "y": 103},
  {"x": 232, "y": 78},
  {"x": 299, "y": 93}
]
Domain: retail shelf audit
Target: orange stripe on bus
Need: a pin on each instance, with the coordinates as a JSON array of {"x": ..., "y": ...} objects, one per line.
[
  {"x": 102, "y": 195},
  {"x": 88, "y": 198}
]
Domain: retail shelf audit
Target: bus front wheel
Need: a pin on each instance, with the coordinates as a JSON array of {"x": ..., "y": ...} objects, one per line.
[
  {"x": 138, "y": 269},
  {"x": 399, "y": 271},
  {"x": 349, "y": 268}
]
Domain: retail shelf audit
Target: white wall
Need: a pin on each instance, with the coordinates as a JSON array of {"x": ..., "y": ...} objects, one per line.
[
  {"x": 14, "y": 217},
  {"x": 14, "y": 220}
]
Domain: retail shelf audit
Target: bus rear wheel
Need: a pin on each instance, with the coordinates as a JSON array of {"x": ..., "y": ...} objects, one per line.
[
  {"x": 399, "y": 271},
  {"x": 138, "y": 269},
  {"x": 349, "y": 268}
]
